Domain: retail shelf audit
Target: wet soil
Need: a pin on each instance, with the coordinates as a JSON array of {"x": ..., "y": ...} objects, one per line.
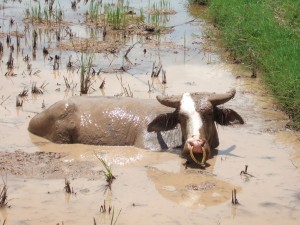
[{"x": 150, "y": 187}]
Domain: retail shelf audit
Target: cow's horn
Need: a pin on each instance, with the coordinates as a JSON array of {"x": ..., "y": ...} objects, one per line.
[
  {"x": 170, "y": 101},
  {"x": 218, "y": 99}
]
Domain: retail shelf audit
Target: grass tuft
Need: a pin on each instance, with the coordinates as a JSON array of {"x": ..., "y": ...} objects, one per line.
[
  {"x": 265, "y": 35},
  {"x": 107, "y": 172}
]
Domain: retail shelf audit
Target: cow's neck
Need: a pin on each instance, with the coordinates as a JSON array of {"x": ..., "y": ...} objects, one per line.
[{"x": 194, "y": 122}]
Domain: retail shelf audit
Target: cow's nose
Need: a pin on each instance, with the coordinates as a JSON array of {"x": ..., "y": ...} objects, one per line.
[{"x": 196, "y": 143}]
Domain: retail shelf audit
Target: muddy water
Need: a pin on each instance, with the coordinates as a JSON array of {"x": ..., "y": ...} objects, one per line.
[{"x": 151, "y": 187}]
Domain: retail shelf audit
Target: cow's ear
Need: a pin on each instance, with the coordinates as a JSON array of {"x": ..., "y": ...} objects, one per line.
[
  {"x": 224, "y": 116},
  {"x": 164, "y": 122}
]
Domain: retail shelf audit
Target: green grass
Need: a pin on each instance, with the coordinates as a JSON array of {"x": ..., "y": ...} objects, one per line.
[
  {"x": 37, "y": 14},
  {"x": 159, "y": 7},
  {"x": 94, "y": 10},
  {"x": 265, "y": 35},
  {"x": 85, "y": 73},
  {"x": 116, "y": 17},
  {"x": 107, "y": 172}
]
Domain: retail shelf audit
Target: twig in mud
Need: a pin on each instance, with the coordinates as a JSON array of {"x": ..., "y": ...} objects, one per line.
[
  {"x": 129, "y": 49},
  {"x": 4, "y": 100},
  {"x": 171, "y": 27},
  {"x": 293, "y": 164},
  {"x": 244, "y": 172},
  {"x": 233, "y": 197}
]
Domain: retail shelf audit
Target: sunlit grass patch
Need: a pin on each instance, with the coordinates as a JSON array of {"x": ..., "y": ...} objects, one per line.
[{"x": 267, "y": 41}]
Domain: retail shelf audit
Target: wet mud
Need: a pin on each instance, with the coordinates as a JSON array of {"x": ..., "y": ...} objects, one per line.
[{"x": 150, "y": 187}]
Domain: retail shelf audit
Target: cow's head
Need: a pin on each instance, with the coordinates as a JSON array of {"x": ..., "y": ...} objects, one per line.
[{"x": 196, "y": 113}]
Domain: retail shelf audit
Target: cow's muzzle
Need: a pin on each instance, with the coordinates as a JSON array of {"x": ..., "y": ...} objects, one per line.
[{"x": 195, "y": 146}]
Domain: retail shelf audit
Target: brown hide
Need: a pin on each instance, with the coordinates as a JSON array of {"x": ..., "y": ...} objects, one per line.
[{"x": 105, "y": 121}]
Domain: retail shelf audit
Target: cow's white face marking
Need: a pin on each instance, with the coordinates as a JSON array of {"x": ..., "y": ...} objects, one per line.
[{"x": 194, "y": 122}]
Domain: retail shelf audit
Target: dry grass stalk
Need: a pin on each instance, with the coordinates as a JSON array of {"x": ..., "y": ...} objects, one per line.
[
  {"x": 35, "y": 35},
  {"x": 18, "y": 41},
  {"x": 56, "y": 62},
  {"x": 26, "y": 58},
  {"x": 10, "y": 73},
  {"x": 164, "y": 77},
  {"x": 24, "y": 93},
  {"x": 233, "y": 197},
  {"x": 150, "y": 87},
  {"x": 19, "y": 102},
  {"x": 4, "y": 100},
  {"x": 10, "y": 62},
  {"x": 129, "y": 49},
  {"x": 126, "y": 91},
  {"x": 3, "y": 195},
  {"x": 156, "y": 69},
  {"x": 38, "y": 90},
  {"x": 8, "y": 40},
  {"x": 67, "y": 187},
  {"x": 67, "y": 83},
  {"x": 45, "y": 52},
  {"x": 102, "y": 84},
  {"x": 70, "y": 63},
  {"x": 74, "y": 5},
  {"x": 1, "y": 48}
]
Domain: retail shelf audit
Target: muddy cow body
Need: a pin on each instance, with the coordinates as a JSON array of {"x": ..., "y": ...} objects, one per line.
[{"x": 186, "y": 120}]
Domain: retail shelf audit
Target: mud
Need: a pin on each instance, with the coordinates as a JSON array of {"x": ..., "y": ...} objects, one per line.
[{"x": 150, "y": 187}]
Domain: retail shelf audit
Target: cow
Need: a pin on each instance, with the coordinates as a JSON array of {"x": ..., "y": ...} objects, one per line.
[{"x": 187, "y": 120}]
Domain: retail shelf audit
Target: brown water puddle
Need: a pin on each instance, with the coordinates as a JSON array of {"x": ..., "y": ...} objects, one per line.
[{"x": 150, "y": 187}]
